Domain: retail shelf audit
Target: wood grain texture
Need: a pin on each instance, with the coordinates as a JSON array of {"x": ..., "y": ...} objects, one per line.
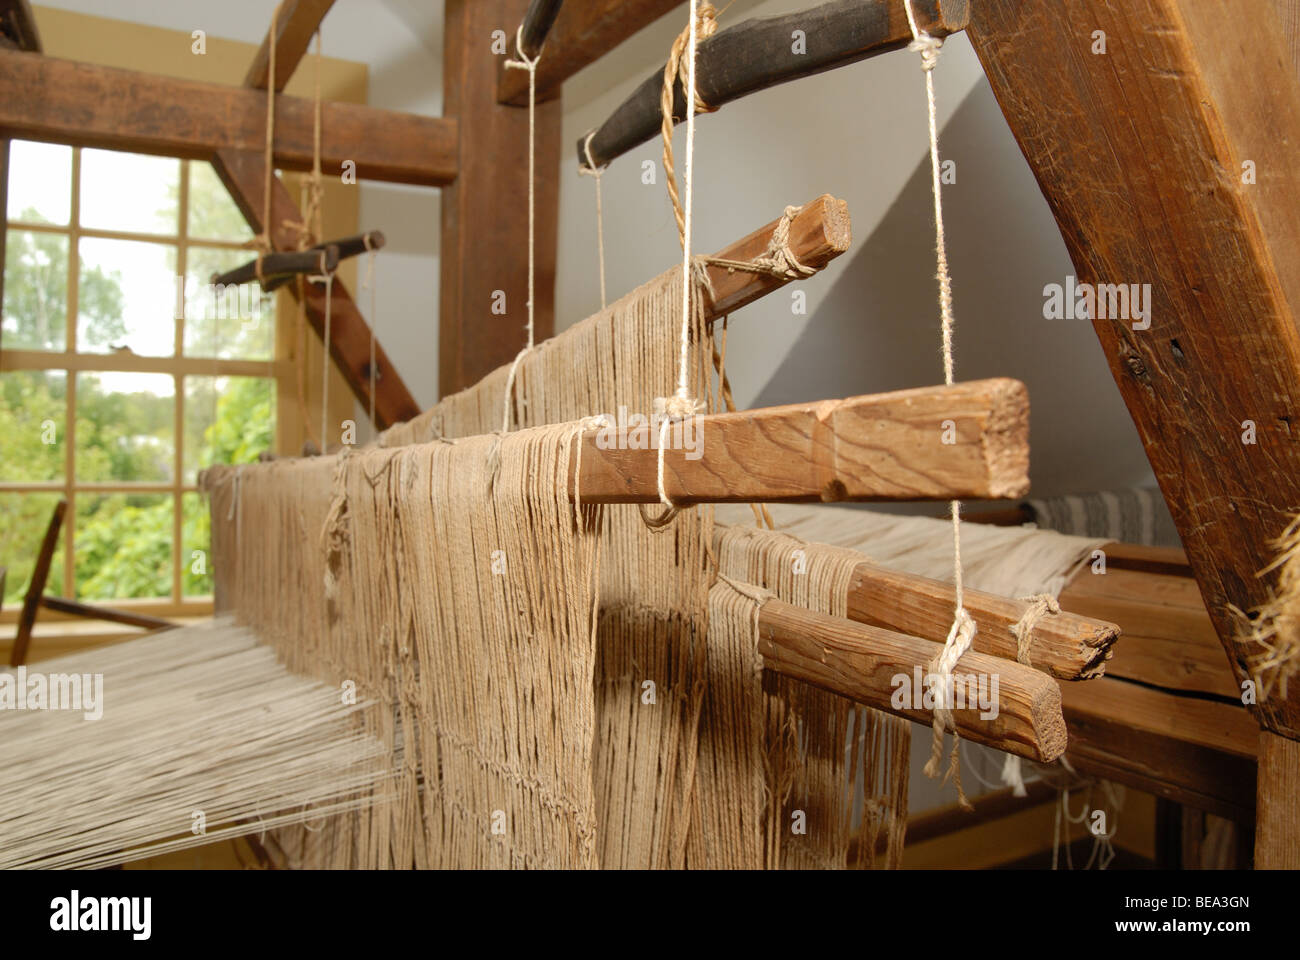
[
  {"x": 36, "y": 589},
  {"x": 759, "y": 53},
  {"x": 1140, "y": 154},
  {"x": 584, "y": 31},
  {"x": 819, "y": 233},
  {"x": 484, "y": 246},
  {"x": 243, "y": 174},
  {"x": 1277, "y": 823},
  {"x": 295, "y": 25},
  {"x": 1066, "y": 646},
  {"x": 861, "y": 662},
  {"x": 1195, "y": 751},
  {"x": 880, "y": 447},
  {"x": 1169, "y": 639},
  {"x": 91, "y": 106}
]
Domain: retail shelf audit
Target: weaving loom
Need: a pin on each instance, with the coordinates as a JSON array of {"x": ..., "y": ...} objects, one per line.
[{"x": 584, "y": 613}]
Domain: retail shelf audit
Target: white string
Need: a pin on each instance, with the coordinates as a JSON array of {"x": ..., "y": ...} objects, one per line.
[
  {"x": 681, "y": 405},
  {"x": 963, "y": 627},
  {"x": 591, "y": 170},
  {"x": 374, "y": 321},
  {"x": 326, "y": 278},
  {"x": 530, "y": 64}
]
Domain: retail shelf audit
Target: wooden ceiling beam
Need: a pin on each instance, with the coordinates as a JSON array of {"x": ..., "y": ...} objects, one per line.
[
  {"x": 62, "y": 101},
  {"x": 582, "y": 34},
  {"x": 291, "y": 32},
  {"x": 18, "y": 24}
]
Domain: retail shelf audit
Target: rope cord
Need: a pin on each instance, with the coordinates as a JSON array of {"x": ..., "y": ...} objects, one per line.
[
  {"x": 963, "y": 627},
  {"x": 530, "y": 64},
  {"x": 591, "y": 170}
]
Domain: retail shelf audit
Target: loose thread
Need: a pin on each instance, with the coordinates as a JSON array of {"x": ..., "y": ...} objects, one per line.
[
  {"x": 963, "y": 627},
  {"x": 596, "y": 173},
  {"x": 328, "y": 279},
  {"x": 530, "y": 64}
]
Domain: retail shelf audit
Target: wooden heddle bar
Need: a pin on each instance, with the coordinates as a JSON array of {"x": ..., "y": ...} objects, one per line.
[
  {"x": 931, "y": 443},
  {"x": 865, "y": 664},
  {"x": 348, "y": 247},
  {"x": 282, "y": 266},
  {"x": 760, "y": 53}
]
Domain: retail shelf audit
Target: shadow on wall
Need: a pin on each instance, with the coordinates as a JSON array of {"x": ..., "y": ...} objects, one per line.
[{"x": 878, "y": 328}]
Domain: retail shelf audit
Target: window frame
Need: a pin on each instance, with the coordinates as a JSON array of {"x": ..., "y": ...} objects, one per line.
[{"x": 70, "y": 361}]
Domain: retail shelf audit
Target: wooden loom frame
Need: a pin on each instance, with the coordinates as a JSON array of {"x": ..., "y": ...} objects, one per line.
[{"x": 1144, "y": 189}]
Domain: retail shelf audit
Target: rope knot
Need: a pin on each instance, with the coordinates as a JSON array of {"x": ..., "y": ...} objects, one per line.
[
  {"x": 524, "y": 62},
  {"x": 928, "y": 47},
  {"x": 677, "y": 407}
]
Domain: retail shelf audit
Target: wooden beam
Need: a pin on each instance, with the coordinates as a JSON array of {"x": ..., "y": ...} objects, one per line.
[
  {"x": 819, "y": 233},
  {"x": 1277, "y": 823},
  {"x": 110, "y": 614},
  {"x": 757, "y": 54},
  {"x": 1141, "y": 153},
  {"x": 583, "y": 33},
  {"x": 862, "y": 663},
  {"x": 35, "y": 589},
  {"x": 1198, "y": 752},
  {"x": 318, "y": 260},
  {"x": 347, "y": 247},
  {"x": 62, "y": 101},
  {"x": 537, "y": 23},
  {"x": 484, "y": 245},
  {"x": 1169, "y": 639},
  {"x": 1066, "y": 645},
  {"x": 18, "y": 23},
  {"x": 243, "y": 174},
  {"x": 881, "y": 447},
  {"x": 294, "y": 25}
]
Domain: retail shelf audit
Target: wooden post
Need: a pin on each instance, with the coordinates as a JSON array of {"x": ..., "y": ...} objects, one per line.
[
  {"x": 1277, "y": 840},
  {"x": 484, "y": 247},
  {"x": 1176, "y": 170}
]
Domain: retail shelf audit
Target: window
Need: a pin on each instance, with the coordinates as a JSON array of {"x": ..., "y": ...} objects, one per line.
[{"x": 121, "y": 374}]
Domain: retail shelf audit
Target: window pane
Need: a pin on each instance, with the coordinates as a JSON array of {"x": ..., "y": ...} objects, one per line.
[
  {"x": 227, "y": 420},
  {"x": 32, "y": 426},
  {"x": 36, "y": 291},
  {"x": 125, "y": 427},
  {"x": 124, "y": 546},
  {"x": 127, "y": 297},
  {"x": 213, "y": 215},
  {"x": 24, "y": 518},
  {"x": 234, "y": 323},
  {"x": 129, "y": 192},
  {"x": 40, "y": 182},
  {"x": 196, "y": 530}
]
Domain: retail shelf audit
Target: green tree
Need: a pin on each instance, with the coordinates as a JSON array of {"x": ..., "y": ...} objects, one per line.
[{"x": 36, "y": 294}]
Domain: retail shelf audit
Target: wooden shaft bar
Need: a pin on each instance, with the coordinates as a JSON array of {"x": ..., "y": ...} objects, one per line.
[
  {"x": 243, "y": 172},
  {"x": 869, "y": 665},
  {"x": 111, "y": 614},
  {"x": 885, "y": 446},
  {"x": 583, "y": 33},
  {"x": 759, "y": 53},
  {"x": 86, "y": 105},
  {"x": 295, "y": 25},
  {"x": 32, "y": 599},
  {"x": 1065, "y": 645},
  {"x": 348, "y": 247},
  {"x": 282, "y": 265},
  {"x": 537, "y": 25}
]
